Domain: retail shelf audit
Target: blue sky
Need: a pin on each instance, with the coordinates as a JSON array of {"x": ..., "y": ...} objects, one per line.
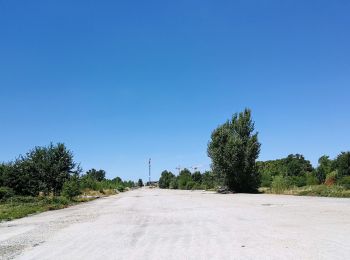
[{"x": 121, "y": 81}]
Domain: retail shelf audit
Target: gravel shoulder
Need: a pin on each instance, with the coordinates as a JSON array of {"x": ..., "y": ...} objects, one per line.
[{"x": 159, "y": 224}]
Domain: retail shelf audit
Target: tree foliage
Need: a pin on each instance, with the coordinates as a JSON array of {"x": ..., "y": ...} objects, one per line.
[
  {"x": 183, "y": 179},
  {"x": 71, "y": 188},
  {"x": 324, "y": 168},
  {"x": 294, "y": 168},
  {"x": 342, "y": 164},
  {"x": 43, "y": 169},
  {"x": 234, "y": 148},
  {"x": 97, "y": 175},
  {"x": 165, "y": 179},
  {"x": 51, "y": 170}
]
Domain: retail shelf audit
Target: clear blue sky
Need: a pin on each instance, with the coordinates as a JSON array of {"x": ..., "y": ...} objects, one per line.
[{"x": 121, "y": 81}]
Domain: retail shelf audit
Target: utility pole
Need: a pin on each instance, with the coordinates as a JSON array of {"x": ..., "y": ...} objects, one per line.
[{"x": 149, "y": 171}]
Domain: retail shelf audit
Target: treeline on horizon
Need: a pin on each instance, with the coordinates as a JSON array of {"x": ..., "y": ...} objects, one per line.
[
  {"x": 234, "y": 149},
  {"x": 293, "y": 170},
  {"x": 52, "y": 171}
]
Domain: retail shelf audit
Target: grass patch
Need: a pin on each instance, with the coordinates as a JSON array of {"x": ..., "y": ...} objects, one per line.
[
  {"x": 19, "y": 207},
  {"x": 324, "y": 191},
  {"x": 335, "y": 191},
  {"x": 99, "y": 193}
]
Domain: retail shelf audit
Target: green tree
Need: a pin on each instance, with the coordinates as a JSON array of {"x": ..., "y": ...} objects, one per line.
[
  {"x": 234, "y": 148},
  {"x": 165, "y": 179},
  {"x": 208, "y": 180},
  {"x": 296, "y": 165},
  {"x": 3, "y": 169},
  {"x": 140, "y": 183},
  {"x": 98, "y": 175},
  {"x": 174, "y": 183},
  {"x": 197, "y": 177},
  {"x": 184, "y": 178},
  {"x": 342, "y": 164},
  {"x": 324, "y": 168},
  {"x": 71, "y": 188},
  {"x": 22, "y": 178},
  {"x": 53, "y": 165}
]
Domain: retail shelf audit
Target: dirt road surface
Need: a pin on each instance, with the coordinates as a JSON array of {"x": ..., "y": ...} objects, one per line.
[{"x": 167, "y": 224}]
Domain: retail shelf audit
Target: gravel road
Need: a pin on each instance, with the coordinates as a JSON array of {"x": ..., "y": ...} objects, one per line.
[{"x": 168, "y": 224}]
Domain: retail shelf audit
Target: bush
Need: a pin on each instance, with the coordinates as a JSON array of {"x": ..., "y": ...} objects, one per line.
[
  {"x": 331, "y": 178},
  {"x": 279, "y": 184},
  {"x": 5, "y": 193},
  {"x": 298, "y": 181},
  {"x": 325, "y": 191},
  {"x": 71, "y": 189},
  {"x": 344, "y": 182},
  {"x": 190, "y": 185},
  {"x": 266, "y": 179},
  {"x": 60, "y": 200},
  {"x": 311, "y": 179},
  {"x": 198, "y": 186},
  {"x": 173, "y": 183}
]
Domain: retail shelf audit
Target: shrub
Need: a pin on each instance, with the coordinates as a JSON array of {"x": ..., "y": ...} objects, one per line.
[
  {"x": 266, "y": 179},
  {"x": 331, "y": 178},
  {"x": 190, "y": 185},
  {"x": 279, "y": 184},
  {"x": 311, "y": 179},
  {"x": 5, "y": 193},
  {"x": 345, "y": 182},
  {"x": 325, "y": 191},
  {"x": 173, "y": 183},
  {"x": 198, "y": 186},
  {"x": 60, "y": 200},
  {"x": 298, "y": 181},
  {"x": 71, "y": 189}
]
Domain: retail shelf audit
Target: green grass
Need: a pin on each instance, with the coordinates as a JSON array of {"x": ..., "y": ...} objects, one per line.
[
  {"x": 335, "y": 191},
  {"x": 324, "y": 191},
  {"x": 18, "y": 207}
]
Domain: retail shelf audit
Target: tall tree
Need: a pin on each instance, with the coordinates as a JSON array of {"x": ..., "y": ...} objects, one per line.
[
  {"x": 234, "y": 148},
  {"x": 324, "y": 168}
]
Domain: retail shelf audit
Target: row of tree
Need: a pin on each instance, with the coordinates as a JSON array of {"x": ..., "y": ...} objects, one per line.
[
  {"x": 187, "y": 180},
  {"x": 52, "y": 170},
  {"x": 234, "y": 149},
  {"x": 297, "y": 171}
]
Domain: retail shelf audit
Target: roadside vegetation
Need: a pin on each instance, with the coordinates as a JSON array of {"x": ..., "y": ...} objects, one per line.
[
  {"x": 234, "y": 149},
  {"x": 295, "y": 175},
  {"x": 48, "y": 178}
]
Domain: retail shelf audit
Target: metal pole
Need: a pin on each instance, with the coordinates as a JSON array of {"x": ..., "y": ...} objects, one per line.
[{"x": 149, "y": 172}]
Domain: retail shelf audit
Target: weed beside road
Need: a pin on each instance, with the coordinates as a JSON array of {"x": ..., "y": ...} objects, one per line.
[
  {"x": 335, "y": 191},
  {"x": 21, "y": 206}
]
